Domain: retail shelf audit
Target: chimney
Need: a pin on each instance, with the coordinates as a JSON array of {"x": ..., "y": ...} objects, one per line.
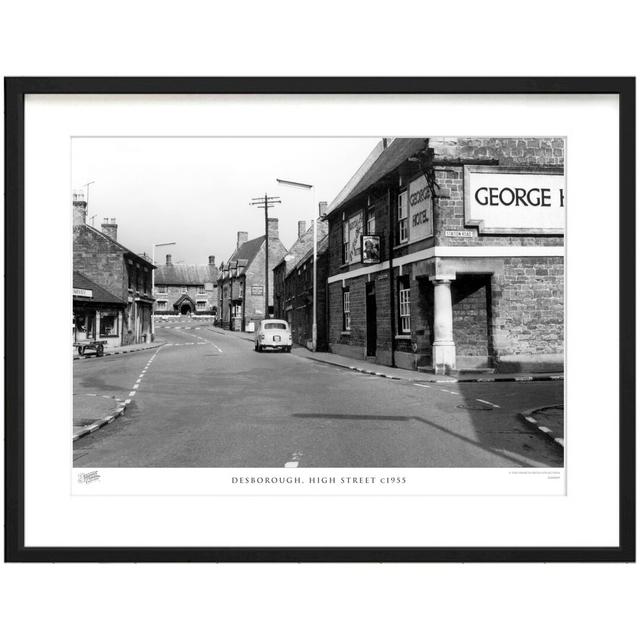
[
  {"x": 302, "y": 227},
  {"x": 243, "y": 236},
  {"x": 272, "y": 226},
  {"x": 212, "y": 260},
  {"x": 322, "y": 209},
  {"x": 110, "y": 228},
  {"x": 168, "y": 260},
  {"x": 79, "y": 209}
]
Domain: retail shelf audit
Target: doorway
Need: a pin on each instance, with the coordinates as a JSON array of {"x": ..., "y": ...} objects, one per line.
[{"x": 372, "y": 327}]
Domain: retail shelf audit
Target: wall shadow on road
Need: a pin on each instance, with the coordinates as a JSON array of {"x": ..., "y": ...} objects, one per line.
[{"x": 375, "y": 418}]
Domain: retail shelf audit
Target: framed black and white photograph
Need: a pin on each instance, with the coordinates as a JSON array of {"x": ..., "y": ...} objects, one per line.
[{"x": 372, "y": 301}]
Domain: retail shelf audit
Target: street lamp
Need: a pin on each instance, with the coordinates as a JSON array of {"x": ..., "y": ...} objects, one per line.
[
  {"x": 153, "y": 261},
  {"x": 312, "y": 189}
]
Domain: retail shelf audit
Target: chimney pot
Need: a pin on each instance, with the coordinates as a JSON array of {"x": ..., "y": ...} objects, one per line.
[
  {"x": 212, "y": 259},
  {"x": 168, "y": 259},
  {"x": 302, "y": 227},
  {"x": 243, "y": 236}
]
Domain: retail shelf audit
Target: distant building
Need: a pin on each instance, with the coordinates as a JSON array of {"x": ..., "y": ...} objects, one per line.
[
  {"x": 98, "y": 256},
  {"x": 186, "y": 289},
  {"x": 241, "y": 280},
  {"x": 293, "y": 284},
  {"x": 97, "y": 313}
]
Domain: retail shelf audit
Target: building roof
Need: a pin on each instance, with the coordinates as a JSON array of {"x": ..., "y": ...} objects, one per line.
[
  {"x": 185, "y": 274},
  {"x": 244, "y": 255},
  {"x": 297, "y": 250},
  {"x": 121, "y": 247},
  {"x": 391, "y": 158},
  {"x": 100, "y": 295},
  {"x": 323, "y": 245}
]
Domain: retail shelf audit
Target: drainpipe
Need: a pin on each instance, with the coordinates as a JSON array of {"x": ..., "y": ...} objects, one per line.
[{"x": 392, "y": 296}]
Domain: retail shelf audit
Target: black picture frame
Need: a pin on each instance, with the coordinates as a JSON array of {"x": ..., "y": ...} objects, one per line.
[{"x": 15, "y": 91}]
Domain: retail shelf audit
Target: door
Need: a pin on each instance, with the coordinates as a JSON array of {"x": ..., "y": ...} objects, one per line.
[{"x": 372, "y": 331}]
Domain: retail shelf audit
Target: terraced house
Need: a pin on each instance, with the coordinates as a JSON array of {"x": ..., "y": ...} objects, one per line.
[
  {"x": 242, "y": 293},
  {"x": 448, "y": 254},
  {"x": 101, "y": 259}
]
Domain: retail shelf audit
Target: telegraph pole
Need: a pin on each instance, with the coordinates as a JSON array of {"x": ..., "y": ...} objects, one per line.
[{"x": 266, "y": 203}]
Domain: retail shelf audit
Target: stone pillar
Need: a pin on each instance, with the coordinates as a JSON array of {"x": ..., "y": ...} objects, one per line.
[
  {"x": 97, "y": 328},
  {"x": 444, "y": 348}
]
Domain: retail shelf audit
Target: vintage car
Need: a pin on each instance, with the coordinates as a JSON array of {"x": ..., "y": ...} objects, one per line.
[{"x": 273, "y": 334}]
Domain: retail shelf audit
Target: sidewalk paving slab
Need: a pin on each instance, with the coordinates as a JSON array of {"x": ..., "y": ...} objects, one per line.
[
  {"x": 92, "y": 411},
  {"x": 112, "y": 351}
]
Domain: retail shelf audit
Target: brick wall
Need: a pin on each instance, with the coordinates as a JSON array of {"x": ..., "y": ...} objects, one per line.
[
  {"x": 528, "y": 303},
  {"x": 471, "y": 302}
]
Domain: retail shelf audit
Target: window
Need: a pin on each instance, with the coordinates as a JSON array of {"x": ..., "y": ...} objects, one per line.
[
  {"x": 346, "y": 310},
  {"x": 161, "y": 288},
  {"x": 200, "y": 290},
  {"x": 109, "y": 325},
  {"x": 403, "y": 206},
  {"x": 371, "y": 222},
  {"x": 237, "y": 311},
  {"x": 404, "y": 305},
  {"x": 345, "y": 242},
  {"x": 201, "y": 305},
  {"x": 161, "y": 305}
]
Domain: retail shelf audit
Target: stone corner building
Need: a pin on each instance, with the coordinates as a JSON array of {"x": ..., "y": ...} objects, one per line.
[
  {"x": 241, "y": 283},
  {"x": 126, "y": 275},
  {"x": 471, "y": 270},
  {"x": 186, "y": 289}
]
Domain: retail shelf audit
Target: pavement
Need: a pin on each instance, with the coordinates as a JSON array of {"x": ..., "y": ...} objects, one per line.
[
  {"x": 112, "y": 351},
  {"x": 549, "y": 420},
  {"x": 394, "y": 373},
  {"x": 205, "y": 398}
]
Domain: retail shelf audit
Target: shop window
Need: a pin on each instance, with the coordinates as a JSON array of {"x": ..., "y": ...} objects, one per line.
[
  {"x": 371, "y": 222},
  {"x": 109, "y": 325},
  {"x": 345, "y": 242},
  {"x": 403, "y": 222},
  {"x": 404, "y": 305},
  {"x": 346, "y": 310}
]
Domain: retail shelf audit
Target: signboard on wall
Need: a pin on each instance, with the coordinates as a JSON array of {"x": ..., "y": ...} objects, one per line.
[
  {"x": 355, "y": 237},
  {"x": 420, "y": 210},
  {"x": 514, "y": 200},
  {"x": 257, "y": 290},
  {"x": 370, "y": 249},
  {"x": 83, "y": 293}
]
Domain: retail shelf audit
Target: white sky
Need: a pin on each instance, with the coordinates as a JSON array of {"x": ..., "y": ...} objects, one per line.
[{"x": 196, "y": 191}]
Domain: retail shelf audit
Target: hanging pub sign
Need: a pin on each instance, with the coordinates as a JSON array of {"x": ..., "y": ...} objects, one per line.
[
  {"x": 420, "y": 210},
  {"x": 514, "y": 199},
  {"x": 370, "y": 249}
]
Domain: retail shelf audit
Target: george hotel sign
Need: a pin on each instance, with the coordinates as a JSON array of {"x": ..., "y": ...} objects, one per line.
[
  {"x": 514, "y": 200},
  {"x": 420, "y": 211}
]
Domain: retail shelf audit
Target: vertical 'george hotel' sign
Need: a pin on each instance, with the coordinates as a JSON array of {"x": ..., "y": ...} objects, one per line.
[{"x": 420, "y": 211}]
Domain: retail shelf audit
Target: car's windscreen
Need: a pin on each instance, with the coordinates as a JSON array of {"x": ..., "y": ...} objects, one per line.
[{"x": 275, "y": 325}]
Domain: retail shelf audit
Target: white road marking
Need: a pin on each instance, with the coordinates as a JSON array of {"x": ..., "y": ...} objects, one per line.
[
  {"x": 135, "y": 386},
  {"x": 426, "y": 386},
  {"x": 132, "y": 393},
  {"x": 497, "y": 406}
]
